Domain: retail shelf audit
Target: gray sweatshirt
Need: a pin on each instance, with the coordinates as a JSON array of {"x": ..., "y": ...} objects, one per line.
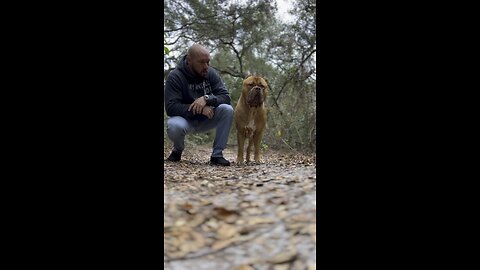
[{"x": 183, "y": 87}]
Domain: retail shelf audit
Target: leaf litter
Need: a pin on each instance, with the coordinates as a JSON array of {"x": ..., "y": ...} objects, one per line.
[{"x": 254, "y": 216}]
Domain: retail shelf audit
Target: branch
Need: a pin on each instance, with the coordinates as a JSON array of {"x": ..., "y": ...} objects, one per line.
[
  {"x": 284, "y": 85},
  {"x": 181, "y": 27},
  {"x": 275, "y": 101},
  {"x": 171, "y": 43},
  {"x": 291, "y": 148},
  {"x": 190, "y": 23},
  {"x": 293, "y": 73},
  {"x": 236, "y": 52},
  {"x": 234, "y": 74},
  {"x": 309, "y": 55}
]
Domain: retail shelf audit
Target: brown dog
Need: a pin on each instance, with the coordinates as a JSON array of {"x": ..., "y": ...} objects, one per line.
[{"x": 251, "y": 116}]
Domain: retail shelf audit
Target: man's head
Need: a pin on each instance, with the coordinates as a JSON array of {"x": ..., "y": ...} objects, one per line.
[{"x": 198, "y": 60}]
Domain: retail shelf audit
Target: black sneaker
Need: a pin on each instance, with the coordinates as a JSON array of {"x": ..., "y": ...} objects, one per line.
[
  {"x": 175, "y": 156},
  {"x": 219, "y": 161}
]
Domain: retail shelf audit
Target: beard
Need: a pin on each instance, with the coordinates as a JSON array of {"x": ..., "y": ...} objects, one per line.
[
  {"x": 202, "y": 73},
  {"x": 197, "y": 72}
]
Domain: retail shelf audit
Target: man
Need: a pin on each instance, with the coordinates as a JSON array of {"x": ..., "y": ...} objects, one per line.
[{"x": 196, "y": 100}]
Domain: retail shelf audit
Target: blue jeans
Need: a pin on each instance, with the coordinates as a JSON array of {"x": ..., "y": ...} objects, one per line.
[{"x": 178, "y": 127}]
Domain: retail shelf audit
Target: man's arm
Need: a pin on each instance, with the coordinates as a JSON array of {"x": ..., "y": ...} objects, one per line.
[
  {"x": 174, "y": 103},
  {"x": 220, "y": 93}
]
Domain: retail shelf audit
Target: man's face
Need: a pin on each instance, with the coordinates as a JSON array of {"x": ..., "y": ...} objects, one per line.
[{"x": 199, "y": 64}]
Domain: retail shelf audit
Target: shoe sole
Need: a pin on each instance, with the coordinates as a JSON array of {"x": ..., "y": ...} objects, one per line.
[{"x": 218, "y": 164}]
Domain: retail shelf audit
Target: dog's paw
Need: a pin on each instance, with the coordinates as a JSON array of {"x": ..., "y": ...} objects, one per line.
[{"x": 260, "y": 161}]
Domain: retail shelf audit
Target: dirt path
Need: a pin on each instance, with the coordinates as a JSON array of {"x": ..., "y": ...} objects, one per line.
[{"x": 240, "y": 217}]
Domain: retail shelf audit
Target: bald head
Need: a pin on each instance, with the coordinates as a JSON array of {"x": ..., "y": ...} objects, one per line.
[
  {"x": 198, "y": 60},
  {"x": 196, "y": 50}
]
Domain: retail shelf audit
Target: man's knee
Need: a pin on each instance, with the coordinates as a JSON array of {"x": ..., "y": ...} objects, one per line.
[
  {"x": 225, "y": 109},
  {"x": 176, "y": 125}
]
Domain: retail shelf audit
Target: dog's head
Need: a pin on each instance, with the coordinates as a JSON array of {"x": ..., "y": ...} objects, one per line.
[{"x": 255, "y": 90}]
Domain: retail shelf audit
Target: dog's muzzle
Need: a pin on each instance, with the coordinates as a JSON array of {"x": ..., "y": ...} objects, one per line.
[{"x": 255, "y": 96}]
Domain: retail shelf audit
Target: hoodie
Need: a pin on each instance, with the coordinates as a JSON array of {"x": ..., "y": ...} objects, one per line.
[{"x": 183, "y": 87}]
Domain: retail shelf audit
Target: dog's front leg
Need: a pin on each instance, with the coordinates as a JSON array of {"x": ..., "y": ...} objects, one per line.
[
  {"x": 249, "y": 149},
  {"x": 248, "y": 136},
  {"x": 241, "y": 141},
  {"x": 257, "y": 138}
]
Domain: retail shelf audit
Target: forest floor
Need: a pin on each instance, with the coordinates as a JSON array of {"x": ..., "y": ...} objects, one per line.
[{"x": 255, "y": 216}]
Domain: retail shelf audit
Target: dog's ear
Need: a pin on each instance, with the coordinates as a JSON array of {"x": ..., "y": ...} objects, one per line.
[{"x": 268, "y": 83}]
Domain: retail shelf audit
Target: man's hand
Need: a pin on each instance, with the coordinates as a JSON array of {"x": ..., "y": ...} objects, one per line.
[
  {"x": 208, "y": 112},
  {"x": 198, "y": 105}
]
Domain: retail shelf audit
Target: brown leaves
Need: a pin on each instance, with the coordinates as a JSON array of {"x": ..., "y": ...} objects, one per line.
[
  {"x": 260, "y": 220},
  {"x": 283, "y": 257},
  {"x": 225, "y": 214},
  {"x": 226, "y": 231},
  {"x": 244, "y": 267},
  {"x": 183, "y": 241},
  {"x": 240, "y": 214}
]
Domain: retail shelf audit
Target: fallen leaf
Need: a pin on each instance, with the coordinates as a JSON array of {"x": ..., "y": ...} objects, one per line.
[
  {"x": 301, "y": 218},
  {"x": 283, "y": 257},
  {"x": 231, "y": 219},
  {"x": 245, "y": 204},
  {"x": 244, "y": 267},
  {"x": 196, "y": 220},
  {"x": 240, "y": 222},
  {"x": 247, "y": 229},
  {"x": 208, "y": 209},
  {"x": 294, "y": 228},
  {"x": 282, "y": 214},
  {"x": 260, "y": 220},
  {"x": 186, "y": 206},
  {"x": 222, "y": 212},
  {"x": 204, "y": 202},
  {"x": 243, "y": 238},
  {"x": 222, "y": 244},
  {"x": 226, "y": 231},
  {"x": 298, "y": 265},
  {"x": 285, "y": 266},
  {"x": 180, "y": 222},
  {"x": 253, "y": 211},
  {"x": 175, "y": 255}
]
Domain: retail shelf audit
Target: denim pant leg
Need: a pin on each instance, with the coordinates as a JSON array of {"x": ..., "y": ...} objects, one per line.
[
  {"x": 177, "y": 128},
  {"x": 222, "y": 120}
]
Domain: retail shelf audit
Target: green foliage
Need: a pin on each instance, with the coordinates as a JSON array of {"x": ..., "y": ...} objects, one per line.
[
  {"x": 264, "y": 146},
  {"x": 247, "y": 39}
]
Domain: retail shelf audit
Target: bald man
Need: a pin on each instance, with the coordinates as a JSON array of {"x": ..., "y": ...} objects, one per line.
[{"x": 196, "y": 100}]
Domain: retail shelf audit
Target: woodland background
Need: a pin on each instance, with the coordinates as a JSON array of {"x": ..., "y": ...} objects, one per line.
[{"x": 248, "y": 37}]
